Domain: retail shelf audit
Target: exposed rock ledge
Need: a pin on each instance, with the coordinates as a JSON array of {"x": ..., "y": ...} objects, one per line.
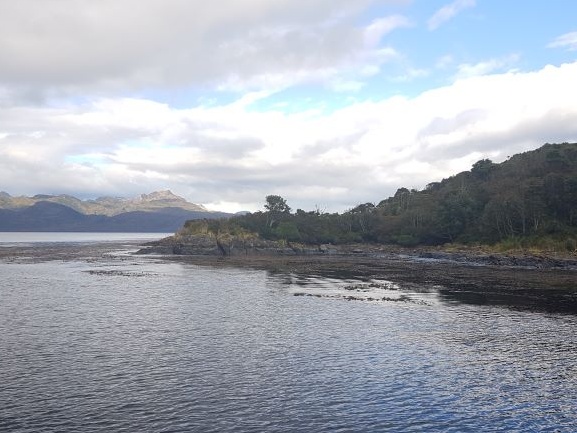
[{"x": 209, "y": 245}]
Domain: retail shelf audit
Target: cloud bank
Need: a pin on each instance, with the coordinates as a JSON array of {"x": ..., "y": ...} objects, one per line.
[
  {"x": 58, "y": 47},
  {"x": 120, "y": 98},
  {"x": 228, "y": 154}
]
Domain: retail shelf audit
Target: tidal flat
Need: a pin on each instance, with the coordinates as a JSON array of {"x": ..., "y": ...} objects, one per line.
[
  {"x": 531, "y": 282},
  {"x": 539, "y": 283}
]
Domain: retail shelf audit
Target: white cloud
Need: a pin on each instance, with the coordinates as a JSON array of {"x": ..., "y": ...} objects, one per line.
[
  {"x": 232, "y": 154},
  {"x": 568, "y": 41},
  {"x": 410, "y": 74},
  {"x": 448, "y": 12},
  {"x": 467, "y": 70},
  {"x": 341, "y": 85},
  {"x": 375, "y": 31},
  {"x": 64, "y": 48},
  {"x": 444, "y": 62}
]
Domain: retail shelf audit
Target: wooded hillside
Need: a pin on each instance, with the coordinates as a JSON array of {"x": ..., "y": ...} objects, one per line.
[{"x": 528, "y": 198}]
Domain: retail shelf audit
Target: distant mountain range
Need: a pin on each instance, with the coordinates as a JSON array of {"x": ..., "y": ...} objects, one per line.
[{"x": 160, "y": 211}]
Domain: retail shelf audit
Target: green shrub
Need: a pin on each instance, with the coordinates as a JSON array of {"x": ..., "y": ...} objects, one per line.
[{"x": 406, "y": 240}]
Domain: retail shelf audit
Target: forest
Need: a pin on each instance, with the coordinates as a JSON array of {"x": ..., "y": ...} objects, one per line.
[{"x": 528, "y": 200}]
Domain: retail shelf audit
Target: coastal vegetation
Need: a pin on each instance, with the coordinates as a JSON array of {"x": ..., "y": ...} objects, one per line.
[{"x": 527, "y": 201}]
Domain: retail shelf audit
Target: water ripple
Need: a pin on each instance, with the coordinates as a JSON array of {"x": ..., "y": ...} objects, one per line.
[{"x": 166, "y": 347}]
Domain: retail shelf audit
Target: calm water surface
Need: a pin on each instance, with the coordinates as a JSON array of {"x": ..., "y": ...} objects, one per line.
[
  {"x": 127, "y": 343},
  {"x": 18, "y": 238}
]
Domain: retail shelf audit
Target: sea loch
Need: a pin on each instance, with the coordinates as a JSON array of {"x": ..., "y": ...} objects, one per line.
[{"x": 108, "y": 341}]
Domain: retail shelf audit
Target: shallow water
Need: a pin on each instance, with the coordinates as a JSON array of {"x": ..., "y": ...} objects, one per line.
[{"x": 127, "y": 343}]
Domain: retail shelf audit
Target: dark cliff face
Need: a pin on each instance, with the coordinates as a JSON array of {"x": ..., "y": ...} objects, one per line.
[{"x": 47, "y": 216}]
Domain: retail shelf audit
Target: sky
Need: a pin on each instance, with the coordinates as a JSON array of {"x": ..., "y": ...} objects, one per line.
[{"x": 328, "y": 103}]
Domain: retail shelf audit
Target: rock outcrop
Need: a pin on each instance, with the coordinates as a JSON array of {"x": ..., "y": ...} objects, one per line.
[{"x": 209, "y": 244}]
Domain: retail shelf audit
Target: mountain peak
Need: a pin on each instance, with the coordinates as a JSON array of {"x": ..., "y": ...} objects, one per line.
[
  {"x": 166, "y": 195},
  {"x": 153, "y": 202}
]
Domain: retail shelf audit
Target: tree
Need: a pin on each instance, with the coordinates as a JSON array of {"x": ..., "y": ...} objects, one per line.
[
  {"x": 481, "y": 169},
  {"x": 457, "y": 213},
  {"x": 363, "y": 216},
  {"x": 277, "y": 208},
  {"x": 276, "y": 204},
  {"x": 288, "y": 231}
]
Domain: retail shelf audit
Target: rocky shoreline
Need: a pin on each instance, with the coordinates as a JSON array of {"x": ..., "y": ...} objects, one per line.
[
  {"x": 521, "y": 281},
  {"x": 207, "y": 245}
]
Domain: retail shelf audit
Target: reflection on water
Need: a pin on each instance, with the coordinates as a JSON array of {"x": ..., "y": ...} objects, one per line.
[
  {"x": 545, "y": 301},
  {"x": 545, "y": 290},
  {"x": 138, "y": 344}
]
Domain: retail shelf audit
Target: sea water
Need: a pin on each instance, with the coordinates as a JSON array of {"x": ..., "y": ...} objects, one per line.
[{"x": 130, "y": 343}]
